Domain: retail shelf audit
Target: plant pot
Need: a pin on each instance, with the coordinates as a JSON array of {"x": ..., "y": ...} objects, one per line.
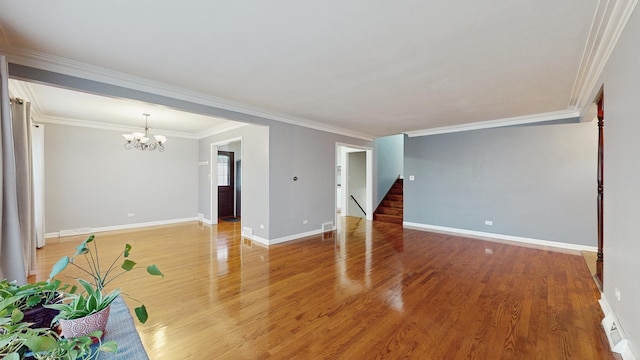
[
  {"x": 86, "y": 325},
  {"x": 39, "y": 316}
]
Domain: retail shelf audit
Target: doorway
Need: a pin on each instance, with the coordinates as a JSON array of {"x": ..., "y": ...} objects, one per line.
[
  {"x": 226, "y": 184},
  {"x": 226, "y": 180},
  {"x": 354, "y": 181}
]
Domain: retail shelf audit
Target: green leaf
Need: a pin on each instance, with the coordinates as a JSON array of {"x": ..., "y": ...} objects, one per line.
[
  {"x": 141, "y": 313},
  {"x": 12, "y": 356},
  {"x": 87, "y": 286},
  {"x": 82, "y": 248},
  {"x": 92, "y": 303},
  {"x": 128, "y": 265},
  {"x": 33, "y": 300},
  {"x": 127, "y": 249},
  {"x": 40, "y": 343},
  {"x": 153, "y": 270},
  {"x": 109, "y": 346},
  {"x": 8, "y": 302},
  {"x": 16, "y": 316},
  {"x": 59, "y": 266}
]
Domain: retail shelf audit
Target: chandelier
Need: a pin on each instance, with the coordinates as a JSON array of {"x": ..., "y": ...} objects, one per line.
[{"x": 143, "y": 141}]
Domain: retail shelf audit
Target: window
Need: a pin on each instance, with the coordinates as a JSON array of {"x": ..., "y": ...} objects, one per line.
[{"x": 224, "y": 170}]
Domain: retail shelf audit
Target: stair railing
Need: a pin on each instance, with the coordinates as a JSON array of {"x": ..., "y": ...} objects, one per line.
[{"x": 357, "y": 203}]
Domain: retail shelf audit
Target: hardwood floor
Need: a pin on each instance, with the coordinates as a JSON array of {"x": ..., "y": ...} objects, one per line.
[{"x": 368, "y": 291}]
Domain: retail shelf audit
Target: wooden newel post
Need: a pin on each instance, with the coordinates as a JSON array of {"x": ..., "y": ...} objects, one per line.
[{"x": 599, "y": 263}]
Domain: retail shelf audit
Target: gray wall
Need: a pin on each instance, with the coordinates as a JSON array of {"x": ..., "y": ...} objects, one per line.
[
  {"x": 531, "y": 181},
  {"x": 388, "y": 153},
  {"x": 357, "y": 178},
  {"x": 92, "y": 181},
  {"x": 621, "y": 181},
  {"x": 311, "y": 156},
  {"x": 311, "y": 198},
  {"x": 255, "y": 176}
]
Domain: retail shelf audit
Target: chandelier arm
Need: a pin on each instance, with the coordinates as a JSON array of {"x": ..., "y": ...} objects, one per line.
[{"x": 146, "y": 141}]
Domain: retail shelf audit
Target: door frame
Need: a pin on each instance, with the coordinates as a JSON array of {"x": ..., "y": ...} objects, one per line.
[
  {"x": 213, "y": 175},
  {"x": 341, "y": 156}
]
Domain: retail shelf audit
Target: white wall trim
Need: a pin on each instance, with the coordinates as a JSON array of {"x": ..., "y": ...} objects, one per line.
[
  {"x": 618, "y": 342},
  {"x": 258, "y": 239},
  {"x": 283, "y": 239},
  {"x": 489, "y": 236},
  {"x": 220, "y": 129},
  {"x": 519, "y": 120},
  {"x": 295, "y": 236},
  {"x": 207, "y": 221},
  {"x": 609, "y": 21},
  {"x": 68, "y": 232},
  {"x": 106, "y": 126},
  {"x": 69, "y": 67}
]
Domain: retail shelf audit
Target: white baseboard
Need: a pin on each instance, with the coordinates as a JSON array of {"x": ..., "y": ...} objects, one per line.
[
  {"x": 82, "y": 231},
  {"x": 614, "y": 331},
  {"x": 489, "y": 236},
  {"x": 295, "y": 236},
  {"x": 266, "y": 242}
]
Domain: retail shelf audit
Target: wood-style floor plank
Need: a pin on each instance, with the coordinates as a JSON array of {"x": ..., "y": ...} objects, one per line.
[{"x": 368, "y": 291}]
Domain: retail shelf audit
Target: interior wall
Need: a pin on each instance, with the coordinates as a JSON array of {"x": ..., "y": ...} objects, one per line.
[
  {"x": 621, "y": 179},
  {"x": 92, "y": 181},
  {"x": 534, "y": 182},
  {"x": 255, "y": 174},
  {"x": 389, "y": 162},
  {"x": 309, "y": 155}
]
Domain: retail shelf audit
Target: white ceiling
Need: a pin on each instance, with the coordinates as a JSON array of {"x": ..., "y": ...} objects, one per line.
[
  {"x": 369, "y": 66},
  {"x": 54, "y": 104}
]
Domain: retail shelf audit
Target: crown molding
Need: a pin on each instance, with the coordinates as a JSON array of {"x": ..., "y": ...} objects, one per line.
[
  {"x": 107, "y": 126},
  {"x": 519, "y": 120},
  {"x": 608, "y": 23},
  {"x": 220, "y": 129},
  {"x": 31, "y": 58}
]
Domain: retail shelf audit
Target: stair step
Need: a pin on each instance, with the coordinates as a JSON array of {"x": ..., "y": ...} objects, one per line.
[
  {"x": 389, "y": 210},
  {"x": 388, "y": 218},
  {"x": 393, "y": 197},
  {"x": 396, "y": 191},
  {"x": 392, "y": 204}
]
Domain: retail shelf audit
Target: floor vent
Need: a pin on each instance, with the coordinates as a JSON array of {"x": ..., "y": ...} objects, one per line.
[
  {"x": 328, "y": 226},
  {"x": 617, "y": 342},
  {"x": 73, "y": 232}
]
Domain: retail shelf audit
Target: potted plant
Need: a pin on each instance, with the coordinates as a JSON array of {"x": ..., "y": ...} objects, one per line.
[
  {"x": 93, "y": 301},
  {"x": 19, "y": 340},
  {"x": 32, "y": 298}
]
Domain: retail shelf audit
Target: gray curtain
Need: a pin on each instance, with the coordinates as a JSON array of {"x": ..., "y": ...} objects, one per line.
[{"x": 17, "y": 224}]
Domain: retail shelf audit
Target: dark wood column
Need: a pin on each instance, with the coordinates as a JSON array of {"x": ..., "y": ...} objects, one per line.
[{"x": 599, "y": 261}]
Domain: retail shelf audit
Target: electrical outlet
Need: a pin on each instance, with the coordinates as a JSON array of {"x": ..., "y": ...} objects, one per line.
[
  {"x": 305, "y": 221},
  {"x": 617, "y": 293},
  {"x": 488, "y": 222},
  {"x": 129, "y": 214},
  {"x": 261, "y": 226}
]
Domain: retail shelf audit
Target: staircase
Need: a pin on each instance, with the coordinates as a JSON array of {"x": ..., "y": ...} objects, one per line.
[{"x": 390, "y": 209}]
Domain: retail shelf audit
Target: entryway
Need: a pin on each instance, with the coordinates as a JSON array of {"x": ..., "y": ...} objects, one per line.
[
  {"x": 354, "y": 181},
  {"x": 226, "y": 180}
]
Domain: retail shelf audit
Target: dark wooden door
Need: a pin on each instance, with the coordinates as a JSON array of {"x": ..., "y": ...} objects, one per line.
[
  {"x": 225, "y": 184},
  {"x": 238, "y": 186}
]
